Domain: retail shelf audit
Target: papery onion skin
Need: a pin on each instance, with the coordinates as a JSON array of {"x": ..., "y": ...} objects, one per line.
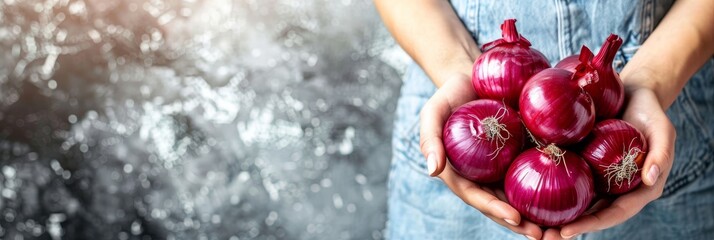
[
  {"x": 471, "y": 151},
  {"x": 572, "y": 62},
  {"x": 569, "y": 63},
  {"x": 608, "y": 93},
  {"x": 547, "y": 192},
  {"x": 615, "y": 141},
  {"x": 505, "y": 66},
  {"x": 555, "y": 108}
]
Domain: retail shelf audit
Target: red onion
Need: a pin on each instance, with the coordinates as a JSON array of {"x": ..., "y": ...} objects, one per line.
[
  {"x": 608, "y": 93},
  {"x": 505, "y": 66},
  {"x": 616, "y": 152},
  {"x": 570, "y": 63},
  {"x": 549, "y": 186},
  {"x": 554, "y": 107},
  {"x": 481, "y": 138}
]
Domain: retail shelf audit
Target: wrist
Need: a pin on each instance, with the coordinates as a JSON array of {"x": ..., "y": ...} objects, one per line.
[
  {"x": 454, "y": 67},
  {"x": 637, "y": 78}
]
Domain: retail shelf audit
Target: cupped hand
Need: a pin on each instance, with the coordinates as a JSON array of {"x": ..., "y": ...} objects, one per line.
[
  {"x": 456, "y": 91},
  {"x": 643, "y": 111}
]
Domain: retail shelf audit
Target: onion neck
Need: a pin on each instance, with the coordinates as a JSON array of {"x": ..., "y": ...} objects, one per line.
[
  {"x": 585, "y": 73},
  {"x": 509, "y": 33},
  {"x": 585, "y": 55},
  {"x": 607, "y": 53}
]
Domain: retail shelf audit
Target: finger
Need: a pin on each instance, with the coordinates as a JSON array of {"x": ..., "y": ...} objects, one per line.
[
  {"x": 433, "y": 116},
  {"x": 454, "y": 93},
  {"x": 660, "y": 138},
  {"x": 501, "y": 195},
  {"x": 526, "y": 228},
  {"x": 481, "y": 199},
  {"x": 619, "y": 211},
  {"x": 600, "y": 204},
  {"x": 644, "y": 112},
  {"x": 553, "y": 234}
]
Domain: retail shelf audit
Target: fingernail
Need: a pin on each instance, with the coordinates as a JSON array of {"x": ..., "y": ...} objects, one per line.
[
  {"x": 431, "y": 163},
  {"x": 509, "y": 221},
  {"x": 571, "y": 236},
  {"x": 529, "y": 237},
  {"x": 653, "y": 174}
]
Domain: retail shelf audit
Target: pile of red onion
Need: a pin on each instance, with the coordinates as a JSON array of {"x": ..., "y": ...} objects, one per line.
[{"x": 579, "y": 149}]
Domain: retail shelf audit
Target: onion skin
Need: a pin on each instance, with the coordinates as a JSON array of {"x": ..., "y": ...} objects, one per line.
[
  {"x": 569, "y": 63},
  {"x": 572, "y": 62},
  {"x": 617, "y": 146},
  {"x": 555, "y": 109},
  {"x": 546, "y": 192},
  {"x": 608, "y": 93},
  {"x": 505, "y": 66},
  {"x": 472, "y": 152}
]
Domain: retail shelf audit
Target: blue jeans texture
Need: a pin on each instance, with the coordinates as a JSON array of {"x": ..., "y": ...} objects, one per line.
[{"x": 421, "y": 207}]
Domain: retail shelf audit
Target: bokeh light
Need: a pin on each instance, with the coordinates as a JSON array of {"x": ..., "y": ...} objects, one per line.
[{"x": 195, "y": 119}]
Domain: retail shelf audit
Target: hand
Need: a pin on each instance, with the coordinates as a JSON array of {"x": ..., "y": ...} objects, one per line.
[
  {"x": 456, "y": 91},
  {"x": 643, "y": 111}
]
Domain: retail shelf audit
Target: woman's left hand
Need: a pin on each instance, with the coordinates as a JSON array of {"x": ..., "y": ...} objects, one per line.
[{"x": 643, "y": 111}]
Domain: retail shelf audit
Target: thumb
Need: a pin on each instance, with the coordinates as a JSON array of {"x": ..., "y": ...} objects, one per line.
[
  {"x": 433, "y": 151},
  {"x": 660, "y": 137},
  {"x": 433, "y": 116}
]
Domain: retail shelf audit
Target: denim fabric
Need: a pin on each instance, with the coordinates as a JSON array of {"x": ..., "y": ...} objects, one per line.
[{"x": 421, "y": 207}]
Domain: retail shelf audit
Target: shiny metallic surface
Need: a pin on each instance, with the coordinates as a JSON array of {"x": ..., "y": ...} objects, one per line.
[{"x": 194, "y": 119}]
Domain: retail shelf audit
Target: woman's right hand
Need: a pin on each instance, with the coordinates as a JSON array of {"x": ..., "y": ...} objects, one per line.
[{"x": 454, "y": 92}]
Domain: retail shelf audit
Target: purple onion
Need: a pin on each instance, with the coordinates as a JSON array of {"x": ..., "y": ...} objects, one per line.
[
  {"x": 548, "y": 186},
  {"x": 506, "y": 65},
  {"x": 616, "y": 151},
  {"x": 608, "y": 93},
  {"x": 481, "y": 139},
  {"x": 555, "y": 108}
]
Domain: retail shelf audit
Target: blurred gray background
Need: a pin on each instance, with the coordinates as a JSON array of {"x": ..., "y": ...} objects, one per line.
[{"x": 195, "y": 119}]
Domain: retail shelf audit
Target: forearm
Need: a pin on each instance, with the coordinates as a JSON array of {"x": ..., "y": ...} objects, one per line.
[
  {"x": 680, "y": 45},
  {"x": 431, "y": 33}
]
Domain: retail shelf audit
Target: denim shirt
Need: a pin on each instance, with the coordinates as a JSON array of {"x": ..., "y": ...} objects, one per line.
[{"x": 558, "y": 28}]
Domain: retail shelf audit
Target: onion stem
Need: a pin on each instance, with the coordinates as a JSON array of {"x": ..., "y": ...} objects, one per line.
[{"x": 533, "y": 139}]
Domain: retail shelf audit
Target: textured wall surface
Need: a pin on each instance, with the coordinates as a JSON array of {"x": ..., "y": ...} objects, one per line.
[{"x": 195, "y": 119}]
